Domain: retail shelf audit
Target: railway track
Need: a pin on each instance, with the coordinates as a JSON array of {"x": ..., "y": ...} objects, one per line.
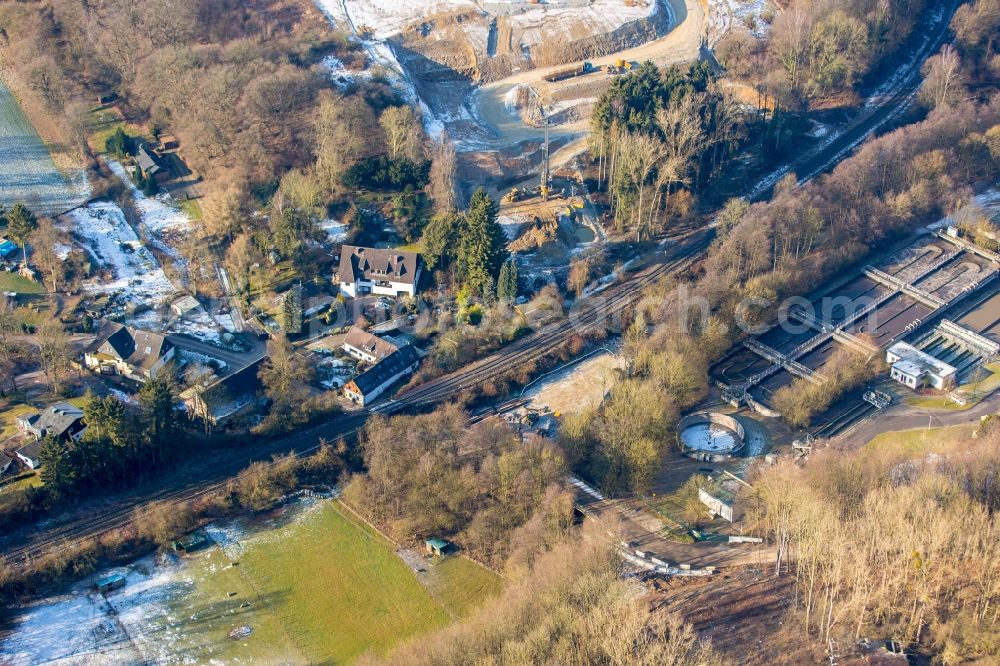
[{"x": 588, "y": 317}]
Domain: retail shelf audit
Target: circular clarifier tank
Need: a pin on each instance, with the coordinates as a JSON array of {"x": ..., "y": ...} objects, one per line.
[{"x": 710, "y": 436}]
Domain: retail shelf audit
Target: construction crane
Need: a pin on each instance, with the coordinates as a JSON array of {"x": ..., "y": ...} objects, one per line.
[{"x": 545, "y": 184}]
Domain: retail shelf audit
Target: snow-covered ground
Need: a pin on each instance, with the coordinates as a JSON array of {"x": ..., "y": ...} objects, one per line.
[
  {"x": 581, "y": 385},
  {"x": 334, "y": 372},
  {"x": 388, "y": 17},
  {"x": 335, "y": 230},
  {"x": 708, "y": 437},
  {"x": 73, "y": 628},
  {"x": 746, "y": 15},
  {"x": 539, "y": 22},
  {"x": 750, "y": 15},
  {"x": 28, "y": 173},
  {"x": 512, "y": 224},
  {"x": 162, "y": 221},
  {"x": 103, "y": 233}
]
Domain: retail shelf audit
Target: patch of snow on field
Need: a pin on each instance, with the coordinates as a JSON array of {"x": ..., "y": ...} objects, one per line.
[
  {"x": 548, "y": 23},
  {"x": 106, "y": 236},
  {"x": 159, "y": 215},
  {"x": 337, "y": 231},
  {"x": 512, "y": 224},
  {"x": 143, "y": 603},
  {"x": 577, "y": 386},
  {"x": 388, "y": 17},
  {"x": 749, "y": 14},
  {"x": 339, "y": 74},
  {"x": 28, "y": 173},
  {"x": 72, "y": 628}
]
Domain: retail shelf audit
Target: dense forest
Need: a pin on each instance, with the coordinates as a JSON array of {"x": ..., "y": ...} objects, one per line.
[
  {"x": 819, "y": 51},
  {"x": 657, "y": 137},
  {"x": 895, "y": 539}
]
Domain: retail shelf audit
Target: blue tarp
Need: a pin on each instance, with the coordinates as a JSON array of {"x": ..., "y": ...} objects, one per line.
[{"x": 7, "y": 248}]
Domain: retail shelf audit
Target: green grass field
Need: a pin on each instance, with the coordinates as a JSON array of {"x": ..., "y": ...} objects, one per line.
[
  {"x": 339, "y": 588},
  {"x": 20, "y": 284},
  {"x": 214, "y": 599},
  {"x": 191, "y": 208},
  {"x": 459, "y": 585},
  {"x": 8, "y": 418},
  {"x": 921, "y": 440},
  {"x": 972, "y": 392}
]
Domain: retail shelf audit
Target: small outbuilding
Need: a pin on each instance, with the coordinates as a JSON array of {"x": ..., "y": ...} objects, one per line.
[
  {"x": 108, "y": 583},
  {"x": 184, "y": 305},
  {"x": 438, "y": 547},
  {"x": 190, "y": 543}
]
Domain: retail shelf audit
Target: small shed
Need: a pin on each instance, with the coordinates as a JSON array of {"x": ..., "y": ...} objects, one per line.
[
  {"x": 184, "y": 305},
  {"x": 108, "y": 583},
  {"x": 438, "y": 547},
  {"x": 169, "y": 142},
  {"x": 191, "y": 542}
]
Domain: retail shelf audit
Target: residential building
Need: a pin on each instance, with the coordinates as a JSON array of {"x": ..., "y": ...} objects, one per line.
[
  {"x": 373, "y": 382},
  {"x": 4, "y": 463},
  {"x": 129, "y": 352},
  {"x": 150, "y": 164},
  {"x": 61, "y": 420},
  {"x": 367, "y": 347},
  {"x": 30, "y": 454},
  {"x": 366, "y": 270},
  {"x": 225, "y": 399},
  {"x": 916, "y": 369}
]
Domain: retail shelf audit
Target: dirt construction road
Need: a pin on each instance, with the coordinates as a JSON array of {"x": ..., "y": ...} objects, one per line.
[{"x": 681, "y": 44}]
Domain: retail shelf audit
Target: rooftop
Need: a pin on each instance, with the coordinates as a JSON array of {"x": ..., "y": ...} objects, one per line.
[
  {"x": 370, "y": 344},
  {"x": 55, "y": 420},
  {"x": 228, "y": 395},
  {"x": 914, "y": 362},
  {"x": 31, "y": 450},
  {"x": 147, "y": 160},
  {"x": 388, "y": 368},
  {"x": 368, "y": 263},
  {"x": 140, "y": 349}
]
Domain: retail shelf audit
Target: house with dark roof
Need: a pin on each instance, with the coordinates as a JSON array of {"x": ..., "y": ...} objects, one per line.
[
  {"x": 368, "y": 270},
  {"x": 30, "y": 454},
  {"x": 374, "y": 381},
  {"x": 226, "y": 398},
  {"x": 130, "y": 352},
  {"x": 61, "y": 420},
  {"x": 367, "y": 347},
  {"x": 150, "y": 164},
  {"x": 4, "y": 463}
]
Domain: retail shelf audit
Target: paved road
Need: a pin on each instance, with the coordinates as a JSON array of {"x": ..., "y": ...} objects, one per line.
[
  {"x": 907, "y": 417},
  {"x": 234, "y": 360}
]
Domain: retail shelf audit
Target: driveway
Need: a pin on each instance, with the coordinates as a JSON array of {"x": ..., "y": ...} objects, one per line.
[
  {"x": 234, "y": 360},
  {"x": 907, "y": 417}
]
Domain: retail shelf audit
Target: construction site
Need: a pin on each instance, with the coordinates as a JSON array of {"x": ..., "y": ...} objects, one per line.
[{"x": 931, "y": 310}]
